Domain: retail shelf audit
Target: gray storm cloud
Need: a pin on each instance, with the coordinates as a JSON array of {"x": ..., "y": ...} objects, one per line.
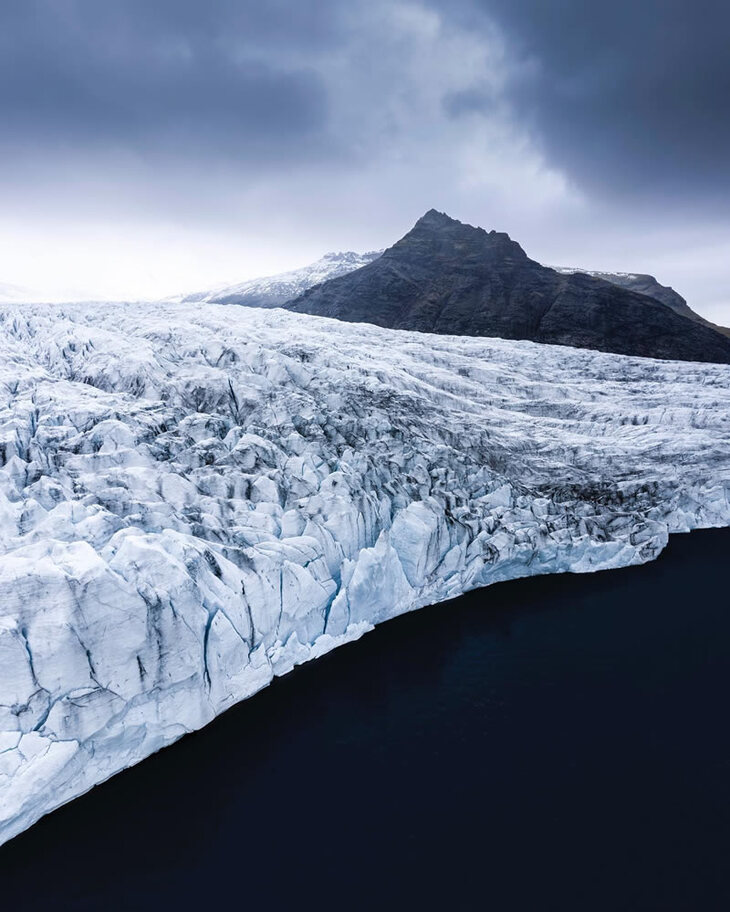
[
  {"x": 632, "y": 94},
  {"x": 184, "y": 78}
]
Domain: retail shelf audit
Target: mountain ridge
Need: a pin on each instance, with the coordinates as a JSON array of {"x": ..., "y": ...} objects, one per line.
[
  {"x": 445, "y": 276},
  {"x": 647, "y": 284}
]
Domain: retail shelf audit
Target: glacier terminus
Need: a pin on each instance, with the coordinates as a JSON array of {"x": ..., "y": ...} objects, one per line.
[{"x": 196, "y": 498}]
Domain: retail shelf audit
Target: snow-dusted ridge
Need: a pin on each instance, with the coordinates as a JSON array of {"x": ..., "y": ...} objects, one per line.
[
  {"x": 195, "y": 498},
  {"x": 273, "y": 291},
  {"x": 571, "y": 270}
]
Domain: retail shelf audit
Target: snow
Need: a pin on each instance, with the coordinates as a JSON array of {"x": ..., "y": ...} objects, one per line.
[
  {"x": 272, "y": 291},
  {"x": 608, "y": 276},
  {"x": 196, "y": 498}
]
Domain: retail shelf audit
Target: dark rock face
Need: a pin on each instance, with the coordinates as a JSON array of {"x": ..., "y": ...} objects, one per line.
[
  {"x": 448, "y": 277},
  {"x": 648, "y": 285}
]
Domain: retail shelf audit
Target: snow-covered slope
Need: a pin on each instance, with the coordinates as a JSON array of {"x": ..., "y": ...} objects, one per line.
[
  {"x": 195, "y": 498},
  {"x": 273, "y": 291}
]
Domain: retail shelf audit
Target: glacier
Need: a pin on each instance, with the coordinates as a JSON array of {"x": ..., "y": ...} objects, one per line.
[{"x": 196, "y": 498}]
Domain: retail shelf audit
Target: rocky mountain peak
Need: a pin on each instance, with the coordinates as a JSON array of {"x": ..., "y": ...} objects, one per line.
[
  {"x": 448, "y": 277},
  {"x": 436, "y": 232}
]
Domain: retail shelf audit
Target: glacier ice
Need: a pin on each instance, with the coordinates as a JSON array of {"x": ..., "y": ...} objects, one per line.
[{"x": 194, "y": 499}]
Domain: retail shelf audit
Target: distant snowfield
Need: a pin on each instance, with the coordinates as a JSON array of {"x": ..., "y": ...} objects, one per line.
[{"x": 195, "y": 498}]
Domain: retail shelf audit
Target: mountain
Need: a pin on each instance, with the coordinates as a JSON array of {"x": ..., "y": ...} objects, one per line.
[
  {"x": 448, "y": 277},
  {"x": 643, "y": 284},
  {"x": 195, "y": 499},
  {"x": 273, "y": 291},
  {"x": 650, "y": 286}
]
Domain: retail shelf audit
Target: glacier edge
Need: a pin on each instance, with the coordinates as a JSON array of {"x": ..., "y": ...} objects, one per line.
[{"x": 193, "y": 504}]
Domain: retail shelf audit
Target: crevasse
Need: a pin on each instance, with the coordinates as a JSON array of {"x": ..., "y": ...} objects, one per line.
[{"x": 195, "y": 498}]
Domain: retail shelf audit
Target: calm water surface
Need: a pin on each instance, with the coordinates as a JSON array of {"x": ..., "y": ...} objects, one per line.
[{"x": 554, "y": 743}]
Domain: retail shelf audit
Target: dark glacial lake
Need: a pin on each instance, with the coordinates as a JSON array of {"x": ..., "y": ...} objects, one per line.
[{"x": 552, "y": 743}]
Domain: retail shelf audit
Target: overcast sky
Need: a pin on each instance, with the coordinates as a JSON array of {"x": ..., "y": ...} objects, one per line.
[{"x": 155, "y": 146}]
